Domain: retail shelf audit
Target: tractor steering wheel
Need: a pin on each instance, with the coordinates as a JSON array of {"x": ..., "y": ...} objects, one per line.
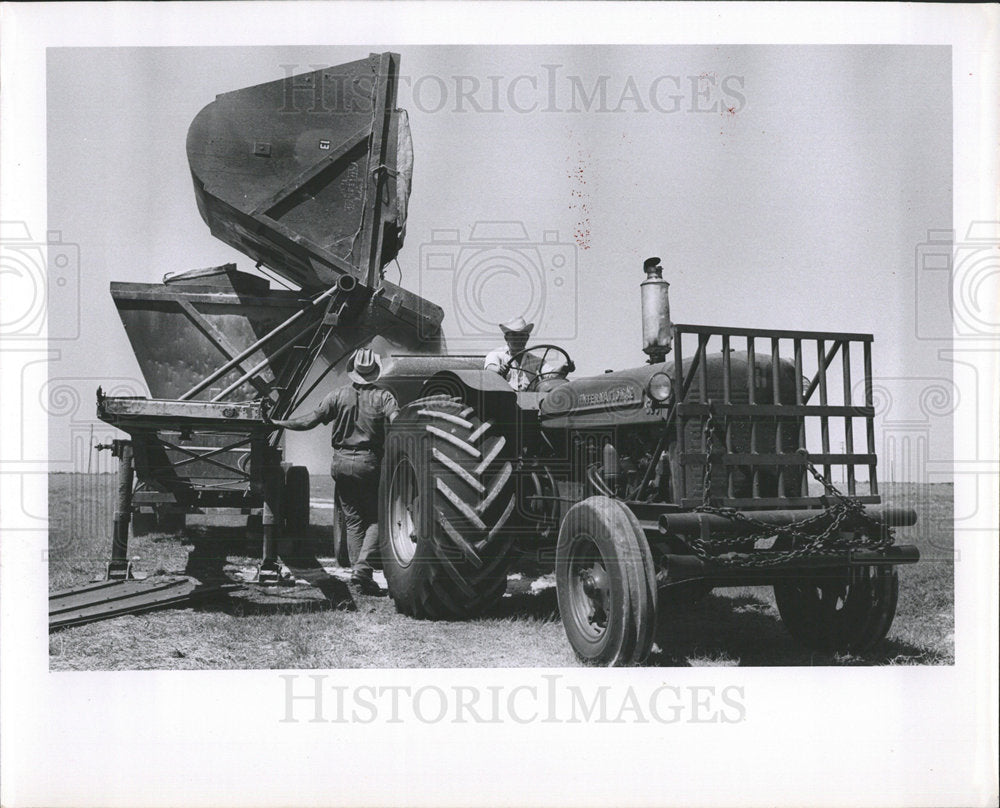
[{"x": 538, "y": 372}]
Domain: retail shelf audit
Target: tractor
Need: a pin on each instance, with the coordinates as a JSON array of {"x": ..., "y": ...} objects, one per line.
[{"x": 643, "y": 487}]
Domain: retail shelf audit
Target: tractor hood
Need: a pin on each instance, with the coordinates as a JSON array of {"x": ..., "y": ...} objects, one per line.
[{"x": 619, "y": 396}]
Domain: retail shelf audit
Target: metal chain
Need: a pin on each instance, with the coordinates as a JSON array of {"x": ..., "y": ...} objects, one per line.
[{"x": 802, "y": 542}]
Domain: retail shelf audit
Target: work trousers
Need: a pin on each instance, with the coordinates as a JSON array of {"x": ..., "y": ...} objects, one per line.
[{"x": 355, "y": 474}]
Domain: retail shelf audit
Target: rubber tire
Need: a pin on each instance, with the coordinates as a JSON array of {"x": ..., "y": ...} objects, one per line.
[
  {"x": 143, "y": 524},
  {"x": 255, "y": 527},
  {"x": 170, "y": 521},
  {"x": 341, "y": 550},
  {"x": 807, "y": 608},
  {"x": 458, "y": 568},
  {"x": 295, "y": 502},
  {"x": 607, "y": 525}
]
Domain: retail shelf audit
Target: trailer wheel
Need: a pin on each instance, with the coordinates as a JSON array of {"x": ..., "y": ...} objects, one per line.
[
  {"x": 143, "y": 523},
  {"x": 170, "y": 521},
  {"x": 847, "y": 611},
  {"x": 255, "y": 527},
  {"x": 296, "y": 501},
  {"x": 606, "y": 583},
  {"x": 445, "y": 500}
]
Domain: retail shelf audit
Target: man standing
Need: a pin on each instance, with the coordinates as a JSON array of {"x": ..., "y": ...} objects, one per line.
[
  {"x": 519, "y": 373},
  {"x": 360, "y": 413}
]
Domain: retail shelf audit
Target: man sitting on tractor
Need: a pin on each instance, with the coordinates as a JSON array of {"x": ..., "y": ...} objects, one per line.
[{"x": 519, "y": 366}]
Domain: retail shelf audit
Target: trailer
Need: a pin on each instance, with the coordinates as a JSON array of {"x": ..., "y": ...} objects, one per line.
[{"x": 316, "y": 195}]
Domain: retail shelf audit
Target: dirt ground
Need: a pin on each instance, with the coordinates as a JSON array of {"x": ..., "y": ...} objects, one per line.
[{"x": 729, "y": 627}]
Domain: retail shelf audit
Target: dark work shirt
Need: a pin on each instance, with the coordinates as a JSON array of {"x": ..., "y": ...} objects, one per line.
[{"x": 360, "y": 414}]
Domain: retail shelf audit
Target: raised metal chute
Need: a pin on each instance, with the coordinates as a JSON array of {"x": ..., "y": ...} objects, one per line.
[{"x": 309, "y": 175}]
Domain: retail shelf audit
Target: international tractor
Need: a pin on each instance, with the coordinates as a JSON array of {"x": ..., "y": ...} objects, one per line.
[
  {"x": 710, "y": 465},
  {"x": 647, "y": 486}
]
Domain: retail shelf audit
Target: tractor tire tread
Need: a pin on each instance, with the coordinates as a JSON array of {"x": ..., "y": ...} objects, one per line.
[{"x": 462, "y": 555}]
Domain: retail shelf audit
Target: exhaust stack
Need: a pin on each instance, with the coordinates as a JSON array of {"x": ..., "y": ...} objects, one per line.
[{"x": 656, "y": 326}]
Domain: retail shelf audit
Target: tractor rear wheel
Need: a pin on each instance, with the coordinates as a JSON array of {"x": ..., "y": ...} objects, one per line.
[
  {"x": 606, "y": 583},
  {"x": 446, "y": 496},
  {"x": 847, "y": 611}
]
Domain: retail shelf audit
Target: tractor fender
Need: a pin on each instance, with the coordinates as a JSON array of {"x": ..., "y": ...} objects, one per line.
[
  {"x": 487, "y": 392},
  {"x": 406, "y": 377}
]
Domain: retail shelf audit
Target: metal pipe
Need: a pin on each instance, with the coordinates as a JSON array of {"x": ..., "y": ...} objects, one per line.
[
  {"x": 118, "y": 568},
  {"x": 273, "y": 511},
  {"x": 692, "y": 522},
  {"x": 727, "y": 392},
  {"x": 345, "y": 283},
  {"x": 824, "y": 360},
  {"x": 657, "y": 452},
  {"x": 678, "y": 482},
  {"x": 193, "y": 457},
  {"x": 751, "y": 400},
  {"x": 824, "y": 363},
  {"x": 263, "y": 363},
  {"x": 656, "y": 327},
  {"x": 870, "y": 421},
  {"x": 803, "y": 483},
  {"x": 779, "y": 423},
  {"x": 677, "y": 568},
  {"x": 319, "y": 379},
  {"x": 845, "y": 354}
]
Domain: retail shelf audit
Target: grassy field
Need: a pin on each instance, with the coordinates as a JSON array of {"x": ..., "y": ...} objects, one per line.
[{"x": 730, "y": 627}]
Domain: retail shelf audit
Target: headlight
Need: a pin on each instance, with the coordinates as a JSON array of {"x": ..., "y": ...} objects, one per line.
[{"x": 660, "y": 388}]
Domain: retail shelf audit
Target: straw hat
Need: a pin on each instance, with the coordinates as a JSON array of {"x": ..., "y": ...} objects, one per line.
[
  {"x": 364, "y": 366},
  {"x": 516, "y": 326}
]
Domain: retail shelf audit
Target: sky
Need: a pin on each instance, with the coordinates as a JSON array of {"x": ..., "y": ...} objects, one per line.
[{"x": 782, "y": 187}]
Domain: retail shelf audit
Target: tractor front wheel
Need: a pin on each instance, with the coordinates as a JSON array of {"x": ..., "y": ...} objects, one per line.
[
  {"x": 445, "y": 498},
  {"x": 849, "y": 610},
  {"x": 606, "y": 583}
]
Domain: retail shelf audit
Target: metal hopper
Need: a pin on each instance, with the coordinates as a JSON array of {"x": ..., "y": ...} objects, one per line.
[{"x": 309, "y": 176}]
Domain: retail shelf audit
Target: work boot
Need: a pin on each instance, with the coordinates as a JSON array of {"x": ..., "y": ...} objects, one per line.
[{"x": 365, "y": 585}]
